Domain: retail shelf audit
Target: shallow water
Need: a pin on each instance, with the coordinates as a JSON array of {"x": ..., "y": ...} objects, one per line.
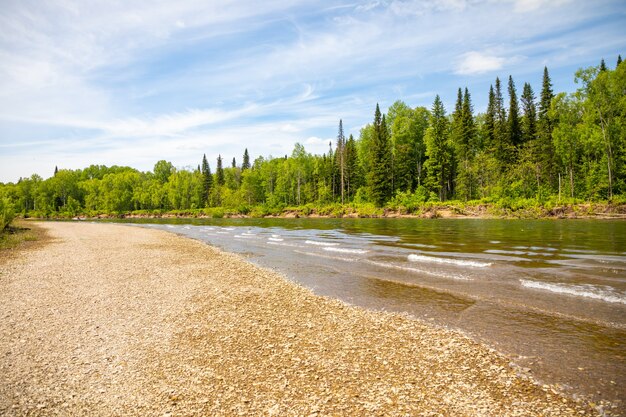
[{"x": 551, "y": 294}]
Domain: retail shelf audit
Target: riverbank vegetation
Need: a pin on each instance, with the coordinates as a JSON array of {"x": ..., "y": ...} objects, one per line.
[{"x": 551, "y": 155}]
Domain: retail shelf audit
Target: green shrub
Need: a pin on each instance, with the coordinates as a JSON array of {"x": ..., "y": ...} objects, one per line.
[{"x": 7, "y": 213}]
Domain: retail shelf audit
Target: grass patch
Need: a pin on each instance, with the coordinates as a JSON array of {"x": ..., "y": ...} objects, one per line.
[{"x": 20, "y": 234}]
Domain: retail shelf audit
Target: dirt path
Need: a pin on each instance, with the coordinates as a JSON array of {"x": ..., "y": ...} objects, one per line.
[{"x": 118, "y": 320}]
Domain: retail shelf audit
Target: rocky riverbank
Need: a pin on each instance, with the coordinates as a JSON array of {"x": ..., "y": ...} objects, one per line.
[{"x": 117, "y": 320}]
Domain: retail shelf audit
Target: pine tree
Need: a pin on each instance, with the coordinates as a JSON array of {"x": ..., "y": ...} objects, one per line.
[
  {"x": 501, "y": 143},
  {"x": 619, "y": 60},
  {"x": 340, "y": 155},
  {"x": 464, "y": 142},
  {"x": 207, "y": 178},
  {"x": 438, "y": 150},
  {"x": 56, "y": 170},
  {"x": 219, "y": 171},
  {"x": 352, "y": 167},
  {"x": 246, "y": 160},
  {"x": 381, "y": 161},
  {"x": 234, "y": 163},
  {"x": 543, "y": 154},
  {"x": 602, "y": 65},
  {"x": 490, "y": 120},
  {"x": 514, "y": 129},
  {"x": 529, "y": 119}
]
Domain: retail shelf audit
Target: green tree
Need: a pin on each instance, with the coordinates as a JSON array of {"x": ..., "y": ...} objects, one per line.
[
  {"x": 514, "y": 129},
  {"x": 529, "y": 119},
  {"x": 381, "y": 161},
  {"x": 207, "y": 179},
  {"x": 162, "y": 171},
  {"x": 567, "y": 133},
  {"x": 438, "y": 150},
  {"x": 219, "y": 172},
  {"x": 246, "y": 160}
]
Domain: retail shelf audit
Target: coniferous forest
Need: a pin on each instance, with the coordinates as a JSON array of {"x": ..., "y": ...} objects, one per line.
[{"x": 532, "y": 147}]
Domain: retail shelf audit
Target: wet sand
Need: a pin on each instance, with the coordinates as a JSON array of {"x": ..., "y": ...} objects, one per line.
[{"x": 115, "y": 320}]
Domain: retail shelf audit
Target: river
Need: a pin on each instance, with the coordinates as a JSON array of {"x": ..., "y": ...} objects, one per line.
[{"x": 549, "y": 294}]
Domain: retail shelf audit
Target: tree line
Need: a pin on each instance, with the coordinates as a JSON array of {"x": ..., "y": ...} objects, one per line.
[{"x": 569, "y": 147}]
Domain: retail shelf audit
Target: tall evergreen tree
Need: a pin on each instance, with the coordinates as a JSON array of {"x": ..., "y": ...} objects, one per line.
[
  {"x": 502, "y": 145},
  {"x": 602, "y": 65},
  {"x": 619, "y": 60},
  {"x": 246, "y": 160},
  {"x": 529, "y": 119},
  {"x": 219, "y": 171},
  {"x": 340, "y": 155},
  {"x": 234, "y": 163},
  {"x": 514, "y": 128},
  {"x": 207, "y": 178},
  {"x": 543, "y": 153},
  {"x": 381, "y": 161},
  {"x": 490, "y": 120},
  {"x": 56, "y": 170},
  {"x": 352, "y": 168},
  {"x": 464, "y": 146},
  {"x": 438, "y": 150}
]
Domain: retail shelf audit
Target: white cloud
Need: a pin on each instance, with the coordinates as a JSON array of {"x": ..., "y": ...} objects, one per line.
[{"x": 474, "y": 62}]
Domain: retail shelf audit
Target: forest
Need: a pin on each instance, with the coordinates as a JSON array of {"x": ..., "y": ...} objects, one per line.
[{"x": 533, "y": 151}]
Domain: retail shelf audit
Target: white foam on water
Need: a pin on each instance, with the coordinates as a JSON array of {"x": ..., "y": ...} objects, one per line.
[
  {"x": 319, "y": 243},
  {"x": 275, "y": 239},
  {"x": 319, "y": 255},
  {"x": 223, "y": 233},
  {"x": 459, "y": 262},
  {"x": 230, "y": 229},
  {"x": 604, "y": 293},
  {"x": 345, "y": 250},
  {"x": 291, "y": 245},
  {"x": 186, "y": 227},
  {"x": 420, "y": 271},
  {"x": 170, "y": 226},
  {"x": 495, "y": 242},
  {"x": 275, "y": 236},
  {"x": 243, "y": 236}
]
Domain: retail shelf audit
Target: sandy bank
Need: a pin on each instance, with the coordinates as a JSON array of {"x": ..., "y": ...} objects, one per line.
[{"x": 117, "y": 320}]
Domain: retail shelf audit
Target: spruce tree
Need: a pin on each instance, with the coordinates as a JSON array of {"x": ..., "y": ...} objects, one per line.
[
  {"x": 207, "y": 178},
  {"x": 602, "y": 65},
  {"x": 465, "y": 149},
  {"x": 234, "y": 163},
  {"x": 56, "y": 170},
  {"x": 219, "y": 171},
  {"x": 501, "y": 139},
  {"x": 490, "y": 120},
  {"x": 543, "y": 154},
  {"x": 438, "y": 150},
  {"x": 514, "y": 129},
  {"x": 340, "y": 155},
  {"x": 619, "y": 60},
  {"x": 352, "y": 167},
  {"x": 381, "y": 161},
  {"x": 529, "y": 119},
  {"x": 246, "y": 160}
]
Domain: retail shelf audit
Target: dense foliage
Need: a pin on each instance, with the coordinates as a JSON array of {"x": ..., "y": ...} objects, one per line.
[{"x": 565, "y": 147}]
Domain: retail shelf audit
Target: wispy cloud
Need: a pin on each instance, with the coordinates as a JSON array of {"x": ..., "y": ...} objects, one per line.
[
  {"x": 478, "y": 63},
  {"x": 130, "y": 83}
]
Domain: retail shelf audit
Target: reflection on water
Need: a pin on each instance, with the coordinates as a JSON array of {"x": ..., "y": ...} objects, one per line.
[{"x": 535, "y": 289}]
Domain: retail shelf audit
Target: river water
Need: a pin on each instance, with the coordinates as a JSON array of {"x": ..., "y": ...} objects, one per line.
[{"x": 550, "y": 294}]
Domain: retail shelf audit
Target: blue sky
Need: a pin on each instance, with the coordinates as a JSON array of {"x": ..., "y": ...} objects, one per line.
[{"x": 130, "y": 83}]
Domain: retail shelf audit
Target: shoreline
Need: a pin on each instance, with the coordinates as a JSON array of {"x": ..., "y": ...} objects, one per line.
[
  {"x": 600, "y": 211},
  {"x": 166, "y": 310}
]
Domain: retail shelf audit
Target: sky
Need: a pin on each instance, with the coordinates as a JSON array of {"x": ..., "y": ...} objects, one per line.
[{"x": 133, "y": 82}]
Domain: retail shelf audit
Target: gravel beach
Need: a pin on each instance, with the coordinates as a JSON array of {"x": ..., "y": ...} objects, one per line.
[{"x": 117, "y": 320}]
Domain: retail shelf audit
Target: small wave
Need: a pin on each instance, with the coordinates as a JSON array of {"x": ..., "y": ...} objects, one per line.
[
  {"x": 319, "y": 255},
  {"x": 230, "y": 229},
  {"x": 291, "y": 245},
  {"x": 275, "y": 239},
  {"x": 319, "y": 243},
  {"x": 222, "y": 233},
  {"x": 275, "y": 235},
  {"x": 607, "y": 294},
  {"x": 186, "y": 227},
  {"x": 460, "y": 262},
  {"x": 345, "y": 250},
  {"x": 419, "y": 271},
  {"x": 170, "y": 226}
]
